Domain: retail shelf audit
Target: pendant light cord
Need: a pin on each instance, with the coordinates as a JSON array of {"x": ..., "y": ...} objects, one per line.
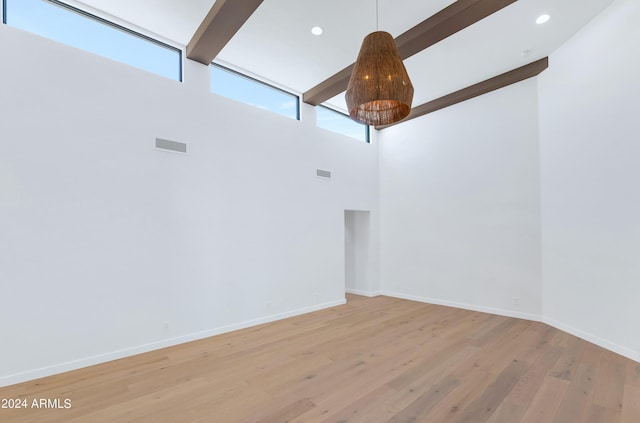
[{"x": 377, "y": 21}]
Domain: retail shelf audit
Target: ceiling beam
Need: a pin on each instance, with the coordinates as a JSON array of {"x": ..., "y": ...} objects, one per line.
[
  {"x": 221, "y": 23},
  {"x": 492, "y": 84},
  {"x": 456, "y": 17}
]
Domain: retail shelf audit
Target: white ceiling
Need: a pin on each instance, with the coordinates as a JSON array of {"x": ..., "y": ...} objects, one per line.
[{"x": 276, "y": 43}]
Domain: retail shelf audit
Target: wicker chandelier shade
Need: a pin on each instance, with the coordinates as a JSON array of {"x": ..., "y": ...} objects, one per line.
[{"x": 379, "y": 91}]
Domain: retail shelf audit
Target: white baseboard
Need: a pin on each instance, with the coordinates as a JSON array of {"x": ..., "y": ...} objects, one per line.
[
  {"x": 626, "y": 352},
  {"x": 363, "y": 293},
  {"x": 102, "y": 358},
  {"x": 127, "y": 352},
  {"x": 473, "y": 307},
  {"x": 611, "y": 346}
]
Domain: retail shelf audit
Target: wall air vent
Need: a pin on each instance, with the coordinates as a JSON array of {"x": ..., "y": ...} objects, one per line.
[
  {"x": 178, "y": 147},
  {"x": 323, "y": 174}
]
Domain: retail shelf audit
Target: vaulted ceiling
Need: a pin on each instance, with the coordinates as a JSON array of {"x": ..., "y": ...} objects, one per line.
[{"x": 275, "y": 43}]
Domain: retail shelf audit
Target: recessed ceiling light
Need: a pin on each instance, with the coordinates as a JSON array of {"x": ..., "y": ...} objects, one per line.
[
  {"x": 542, "y": 19},
  {"x": 316, "y": 30}
]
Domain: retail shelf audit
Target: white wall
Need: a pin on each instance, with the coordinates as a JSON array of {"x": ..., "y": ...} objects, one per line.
[
  {"x": 530, "y": 192},
  {"x": 590, "y": 156},
  {"x": 460, "y": 205},
  {"x": 104, "y": 238}
]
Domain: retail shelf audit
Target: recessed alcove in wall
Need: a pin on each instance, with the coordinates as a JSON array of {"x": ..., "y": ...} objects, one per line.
[{"x": 357, "y": 244}]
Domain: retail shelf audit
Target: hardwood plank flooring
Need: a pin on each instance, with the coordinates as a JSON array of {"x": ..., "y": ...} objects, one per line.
[{"x": 372, "y": 360}]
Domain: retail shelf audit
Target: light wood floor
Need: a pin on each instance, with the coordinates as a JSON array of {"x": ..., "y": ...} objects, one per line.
[{"x": 372, "y": 360}]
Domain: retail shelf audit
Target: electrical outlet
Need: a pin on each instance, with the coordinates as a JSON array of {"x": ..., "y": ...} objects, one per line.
[
  {"x": 516, "y": 301},
  {"x": 166, "y": 326}
]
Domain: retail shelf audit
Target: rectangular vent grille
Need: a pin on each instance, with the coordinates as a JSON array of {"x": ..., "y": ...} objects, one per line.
[
  {"x": 178, "y": 147},
  {"x": 323, "y": 173}
]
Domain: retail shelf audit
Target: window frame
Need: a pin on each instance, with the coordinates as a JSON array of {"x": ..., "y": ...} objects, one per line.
[
  {"x": 367, "y": 139},
  {"x": 260, "y": 82},
  {"x": 114, "y": 25}
]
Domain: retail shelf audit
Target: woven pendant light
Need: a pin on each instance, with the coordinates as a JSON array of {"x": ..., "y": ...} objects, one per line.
[{"x": 379, "y": 91}]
